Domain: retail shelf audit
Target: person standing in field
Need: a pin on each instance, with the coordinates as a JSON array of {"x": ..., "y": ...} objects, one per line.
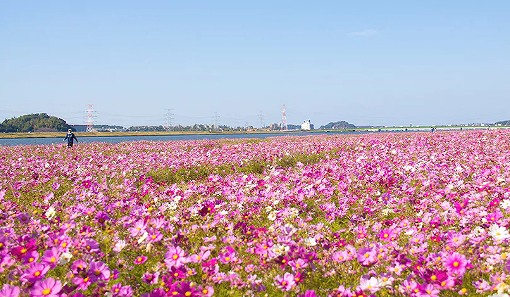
[{"x": 70, "y": 137}]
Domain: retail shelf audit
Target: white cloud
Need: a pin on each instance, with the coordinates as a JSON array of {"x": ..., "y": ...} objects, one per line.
[{"x": 364, "y": 33}]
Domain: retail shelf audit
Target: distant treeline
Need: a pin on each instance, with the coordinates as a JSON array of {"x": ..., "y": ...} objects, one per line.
[
  {"x": 38, "y": 122},
  {"x": 196, "y": 127}
]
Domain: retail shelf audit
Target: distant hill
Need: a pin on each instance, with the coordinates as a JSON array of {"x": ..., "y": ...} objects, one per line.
[
  {"x": 503, "y": 123},
  {"x": 338, "y": 125},
  {"x": 38, "y": 122}
]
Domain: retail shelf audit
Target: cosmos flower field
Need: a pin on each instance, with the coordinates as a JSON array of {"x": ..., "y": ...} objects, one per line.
[{"x": 405, "y": 214}]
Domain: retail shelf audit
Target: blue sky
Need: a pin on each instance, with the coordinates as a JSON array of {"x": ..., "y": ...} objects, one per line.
[{"x": 366, "y": 62}]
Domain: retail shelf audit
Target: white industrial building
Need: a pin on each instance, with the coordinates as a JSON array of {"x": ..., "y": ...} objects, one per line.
[{"x": 306, "y": 125}]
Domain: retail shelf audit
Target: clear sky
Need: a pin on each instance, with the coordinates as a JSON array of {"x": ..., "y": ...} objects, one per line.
[{"x": 366, "y": 62}]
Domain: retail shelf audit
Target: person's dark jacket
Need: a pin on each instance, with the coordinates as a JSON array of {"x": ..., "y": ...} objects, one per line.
[{"x": 70, "y": 137}]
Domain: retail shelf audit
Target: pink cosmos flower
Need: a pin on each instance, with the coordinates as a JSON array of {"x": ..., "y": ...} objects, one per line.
[
  {"x": 367, "y": 256},
  {"x": 207, "y": 291},
  {"x": 456, "y": 263},
  {"x": 46, "y": 288},
  {"x": 91, "y": 246},
  {"x": 153, "y": 235},
  {"x": 285, "y": 282},
  {"x": 298, "y": 264},
  {"x": 35, "y": 271},
  {"x": 138, "y": 228},
  {"x": 82, "y": 283},
  {"x": 184, "y": 289},
  {"x": 409, "y": 287},
  {"x": 98, "y": 271},
  {"x": 428, "y": 290},
  {"x": 201, "y": 256},
  {"x": 228, "y": 256},
  {"x": 177, "y": 273},
  {"x": 118, "y": 290},
  {"x": 30, "y": 257},
  {"x": 175, "y": 256},
  {"x": 308, "y": 293},
  {"x": 51, "y": 257},
  {"x": 140, "y": 260},
  {"x": 78, "y": 266},
  {"x": 387, "y": 234},
  {"x": 9, "y": 291},
  {"x": 151, "y": 278}
]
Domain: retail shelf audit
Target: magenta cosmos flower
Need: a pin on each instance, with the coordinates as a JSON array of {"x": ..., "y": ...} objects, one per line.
[
  {"x": 99, "y": 271},
  {"x": 9, "y": 291},
  {"x": 367, "y": 256},
  {"x": 456, "y": 263},
  {"x": 140, "y": 260},
  {"x": 46, "y": 288},
  {"x": 51, "y": 257},
  {"x": 35, "y": 272},
  {"x": 285, "y": 282},
  {"x": 308, "y": 293}
]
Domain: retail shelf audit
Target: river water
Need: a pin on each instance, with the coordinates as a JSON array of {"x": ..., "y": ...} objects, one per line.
[{"x": 118, "y": 139}]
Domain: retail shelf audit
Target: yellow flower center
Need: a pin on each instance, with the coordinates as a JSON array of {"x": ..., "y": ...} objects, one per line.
[
  {"x": 46, "y": 292},
  {"x": 175, "y": 256},
  {"x": 37, "y": 273},
  {"x": 455, "y": 264},
  {"x": 433, "y": 277},
  {"x": 187, "y": 293},
  {"x": 367, "y": 255}
]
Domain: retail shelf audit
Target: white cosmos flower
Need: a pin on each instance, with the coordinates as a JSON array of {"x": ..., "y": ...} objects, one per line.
[
  {"x": 373, "y": 284},
  {"x": 272, "y": 216},
  {"x": 310, "y": 241},
  {"x": 499, "y": 295},
  {"x": 172, "y": 205},
  {"x": 505, "y": 204},
  {"x": 119, "y": 245},
  {"x": 65, "y": 257},
  {"x": 498, "y": 233},
  {"x": 143, "y": 237},
  {"x": 50, "y": 213}
]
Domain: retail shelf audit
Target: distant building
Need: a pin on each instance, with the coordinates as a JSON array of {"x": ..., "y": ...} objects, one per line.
[{"x": 306, "y": 125}]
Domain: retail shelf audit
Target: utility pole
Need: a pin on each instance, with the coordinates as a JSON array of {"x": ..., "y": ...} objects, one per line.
[
  {"x": 284, "y": 118},
  {"x": 261, "y": 119},
  {"x": 91, "y": 114},
  {"x": 216, "y": 121},
  {"x": 169, "y": 119}
]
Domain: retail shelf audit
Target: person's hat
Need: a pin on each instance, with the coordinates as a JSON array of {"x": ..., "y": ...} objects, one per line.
[{"x": 69, "y": 130}]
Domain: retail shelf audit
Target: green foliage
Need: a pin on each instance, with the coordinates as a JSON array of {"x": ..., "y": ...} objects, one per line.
[
  {"x": 306, "y": 159},
  {"x": 34, "y": 123},
  {"x": 201, "y": 172}
]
